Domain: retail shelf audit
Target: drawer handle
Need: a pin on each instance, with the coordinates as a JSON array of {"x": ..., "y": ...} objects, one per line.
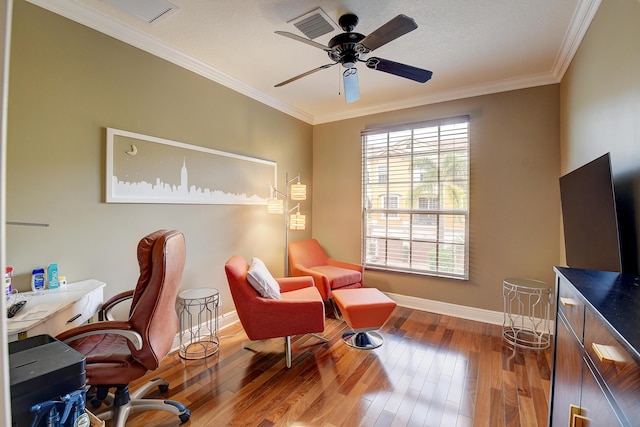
[
  {"x": 568, "y": 302},
  {"x": 608, "y": 353},
  {"x": 74, "y": 318}
]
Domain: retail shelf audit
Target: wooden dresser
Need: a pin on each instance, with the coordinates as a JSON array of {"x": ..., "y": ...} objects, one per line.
[{"x": 596, "y": 371}]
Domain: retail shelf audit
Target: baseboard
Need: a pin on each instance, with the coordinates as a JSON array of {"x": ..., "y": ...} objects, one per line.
[
  {"x": 224, "y": 321},
  {"x": 455, "y": 310}
]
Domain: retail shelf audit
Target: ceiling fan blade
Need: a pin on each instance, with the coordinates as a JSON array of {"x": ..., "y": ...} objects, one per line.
[
  {"x": 398, "y": 26},
  {"x": 303, "y": 40},
  {"x": 351, "y": 86},
  {"x": 398, "y": 69},
  {"x": 299, "y": 76}
]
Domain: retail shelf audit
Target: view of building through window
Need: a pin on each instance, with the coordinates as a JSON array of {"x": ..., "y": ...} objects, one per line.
[{"x": 416, "y": 198}]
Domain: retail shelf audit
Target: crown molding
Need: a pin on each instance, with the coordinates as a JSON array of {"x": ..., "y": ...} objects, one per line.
[
  {"x": 77, "y": 12},
  {"x": 444, "y": 96},
  {"x": 580, "y": 22},
  {"x": 99, "y": 22}
]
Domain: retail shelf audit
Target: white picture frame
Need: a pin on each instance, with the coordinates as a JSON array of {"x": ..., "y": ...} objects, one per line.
[{"x": 147, "y": 169}]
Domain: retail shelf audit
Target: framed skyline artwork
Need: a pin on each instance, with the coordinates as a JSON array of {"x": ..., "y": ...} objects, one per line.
[{"x": 146, "y": 169}]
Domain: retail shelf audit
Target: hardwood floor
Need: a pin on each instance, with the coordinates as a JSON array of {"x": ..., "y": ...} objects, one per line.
[{"x": 432, "y": 370}]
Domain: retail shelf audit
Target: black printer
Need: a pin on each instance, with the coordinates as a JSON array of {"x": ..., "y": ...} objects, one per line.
[{"x": 41, "y": 368}]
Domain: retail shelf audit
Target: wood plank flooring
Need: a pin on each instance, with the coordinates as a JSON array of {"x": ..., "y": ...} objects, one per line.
[{"x": 432, "y": 370}]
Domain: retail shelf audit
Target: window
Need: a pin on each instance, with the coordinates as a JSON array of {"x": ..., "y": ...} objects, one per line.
[
  {"x": 382, "y": 174},
  {"x": 391, "y": 203},
  {"x": 416, "y": 214},
  {"x": 426, "y": 204}
]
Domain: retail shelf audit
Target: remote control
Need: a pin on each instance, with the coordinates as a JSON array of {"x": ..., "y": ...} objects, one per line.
[{"x": 15, "y": 308}]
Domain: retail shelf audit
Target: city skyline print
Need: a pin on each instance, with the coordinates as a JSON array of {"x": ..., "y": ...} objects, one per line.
[{"x": 147, "y": 169}]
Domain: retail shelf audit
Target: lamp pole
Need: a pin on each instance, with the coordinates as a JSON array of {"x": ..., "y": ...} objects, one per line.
[
  {"x": 286, "y": 225},
  {"x": 298, "y": 193}
]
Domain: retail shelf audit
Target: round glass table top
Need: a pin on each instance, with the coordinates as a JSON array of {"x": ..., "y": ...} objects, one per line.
[{"x": 198, "y": 293}]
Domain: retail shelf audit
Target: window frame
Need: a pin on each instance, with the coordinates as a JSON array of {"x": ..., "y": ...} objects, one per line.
[
  {"x": 447, "y": 245},
  {"x": 391, "y": 202}
]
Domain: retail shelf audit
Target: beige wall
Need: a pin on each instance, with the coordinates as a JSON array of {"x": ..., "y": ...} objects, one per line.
[
  {"x": 600, "y": 110},
  {"x": 514, "y": 210},
  {"x": 67, "y": 84}
]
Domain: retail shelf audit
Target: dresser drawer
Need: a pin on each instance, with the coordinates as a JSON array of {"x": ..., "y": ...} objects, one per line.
[
  {"x": 572, "y": 307},
  {"x": 618, "y": 368}
]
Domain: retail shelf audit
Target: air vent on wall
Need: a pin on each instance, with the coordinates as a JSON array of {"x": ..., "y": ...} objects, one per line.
[
  {"x": 314, "y": 24},
  {"x": 147, "y": 10}
]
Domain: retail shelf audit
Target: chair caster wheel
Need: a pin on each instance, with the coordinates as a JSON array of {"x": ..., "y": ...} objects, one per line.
[{"x": 185, "y": 417}]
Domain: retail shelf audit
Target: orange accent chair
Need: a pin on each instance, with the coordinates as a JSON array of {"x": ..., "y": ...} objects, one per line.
[
  {"x": 118, "y": 352},
  {"x": 299, "y": 310},
  {"x": 307, "y": 258}
]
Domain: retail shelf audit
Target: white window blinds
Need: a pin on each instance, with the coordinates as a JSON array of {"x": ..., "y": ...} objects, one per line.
[{"x": 416, "y": 198}]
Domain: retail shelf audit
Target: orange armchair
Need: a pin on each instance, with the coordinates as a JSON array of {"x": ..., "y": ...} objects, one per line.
[
  {"x": 307, "y": 258},
  {"x": 299, "y": 311}
]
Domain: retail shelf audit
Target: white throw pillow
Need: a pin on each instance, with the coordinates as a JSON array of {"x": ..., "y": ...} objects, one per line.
[{"x": 263, "y": 282}]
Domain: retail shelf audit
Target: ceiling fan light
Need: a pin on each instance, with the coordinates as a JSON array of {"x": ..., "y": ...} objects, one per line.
[{"x": 351, "y": 89}]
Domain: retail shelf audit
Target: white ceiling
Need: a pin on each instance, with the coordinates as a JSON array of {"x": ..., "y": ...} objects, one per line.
[{"x": 473, "y": 47}]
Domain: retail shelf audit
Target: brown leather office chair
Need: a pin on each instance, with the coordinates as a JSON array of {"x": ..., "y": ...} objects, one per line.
[
  {"x": 299, "y": 311},
  {"x": 118, "y": 352}
]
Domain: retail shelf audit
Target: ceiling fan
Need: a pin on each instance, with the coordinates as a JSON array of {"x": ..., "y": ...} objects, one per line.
[{"x": 349, "y": 48}]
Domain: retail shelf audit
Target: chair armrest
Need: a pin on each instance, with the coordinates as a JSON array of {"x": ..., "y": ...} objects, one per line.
[
  {"x": 105, "y": 311},
  {"x": 292, "y": 283},
  {"x": 320, "y": 280},
  {"x": 101, "y": 328},
  {"x": 271, "y": 318},
  {"x": 343, "y": 264}
]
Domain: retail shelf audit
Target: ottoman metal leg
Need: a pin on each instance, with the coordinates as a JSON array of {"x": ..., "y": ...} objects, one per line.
[{"x": 366, "y": 340}]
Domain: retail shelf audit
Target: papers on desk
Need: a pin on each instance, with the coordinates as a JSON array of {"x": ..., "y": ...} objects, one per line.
[
  {"x": 53, "y": 311},
  {"x": 37, "y": 312}
]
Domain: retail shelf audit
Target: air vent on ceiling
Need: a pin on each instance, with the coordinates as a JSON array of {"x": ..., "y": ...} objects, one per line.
[
  {"x": 314, "y": 24},
  {"x": 147, "y": 10}
]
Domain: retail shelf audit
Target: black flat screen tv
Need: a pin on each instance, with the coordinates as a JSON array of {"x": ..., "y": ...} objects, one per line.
[{"x": 589, "y": 216}]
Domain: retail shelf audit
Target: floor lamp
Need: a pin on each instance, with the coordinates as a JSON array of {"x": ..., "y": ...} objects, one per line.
[{"x": 292, "y": 221}]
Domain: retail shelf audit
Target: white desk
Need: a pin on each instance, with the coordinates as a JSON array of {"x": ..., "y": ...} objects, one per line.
[{"x": 54, "y": 311}]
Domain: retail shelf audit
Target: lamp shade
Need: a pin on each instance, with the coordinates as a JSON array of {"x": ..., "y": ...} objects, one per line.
[
  {"x": 275, "y": 206},
  {"x": 298, "y": 192},
  {"x": 297, "y": 221}
]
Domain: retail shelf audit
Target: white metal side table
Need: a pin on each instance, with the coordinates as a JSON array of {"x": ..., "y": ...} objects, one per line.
[
  {"x": 198, "y": 313},
  {"x": 527, "y": 306}
]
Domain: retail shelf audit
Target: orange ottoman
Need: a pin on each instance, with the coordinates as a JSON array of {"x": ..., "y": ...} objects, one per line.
[{"x": 364, "y": 310}]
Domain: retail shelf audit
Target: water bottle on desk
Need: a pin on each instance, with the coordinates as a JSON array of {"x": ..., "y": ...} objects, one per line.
[{"x": 52, "y": 276}]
